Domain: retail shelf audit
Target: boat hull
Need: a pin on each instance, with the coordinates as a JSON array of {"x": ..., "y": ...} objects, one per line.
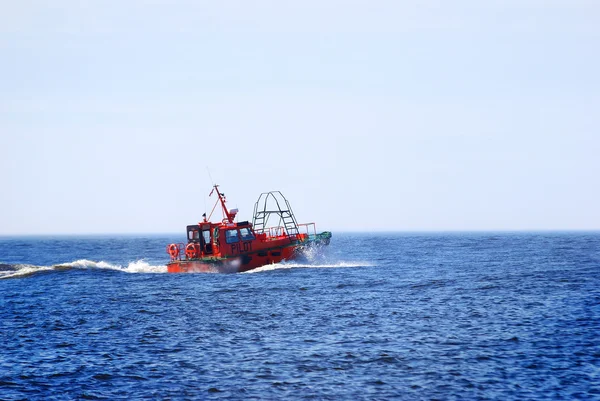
[{"x": 235, "y": 264}]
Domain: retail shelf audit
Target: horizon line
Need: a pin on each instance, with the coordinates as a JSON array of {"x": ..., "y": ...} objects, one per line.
[{"x": 441, "y": 231}]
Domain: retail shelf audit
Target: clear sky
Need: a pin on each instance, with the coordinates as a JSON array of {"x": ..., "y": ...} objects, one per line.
[{"x": 367, "y": 115}]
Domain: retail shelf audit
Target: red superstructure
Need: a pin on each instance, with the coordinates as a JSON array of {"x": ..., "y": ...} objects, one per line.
[{"x": 230, "y": 247}]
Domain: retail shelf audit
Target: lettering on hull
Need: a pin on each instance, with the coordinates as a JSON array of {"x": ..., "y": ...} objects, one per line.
[{"x": 241, "y": 247}]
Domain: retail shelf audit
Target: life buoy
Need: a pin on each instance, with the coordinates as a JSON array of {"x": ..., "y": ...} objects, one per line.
[
  {"x": 191, "y": 250},
  {"x": 173, "y": 250}
]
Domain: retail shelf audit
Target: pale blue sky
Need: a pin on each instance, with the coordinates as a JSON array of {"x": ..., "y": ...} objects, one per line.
[{"x": 367, "y": 115}]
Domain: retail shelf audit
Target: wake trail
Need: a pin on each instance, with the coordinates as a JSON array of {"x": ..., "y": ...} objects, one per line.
[
  {"x": 296, "y": 265},
  {"x": 24, "y": 270},
  {"x": 141, "y": 266}
]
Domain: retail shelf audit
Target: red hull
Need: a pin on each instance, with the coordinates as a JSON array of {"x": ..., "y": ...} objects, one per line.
[{"x": 235, "y": 264}]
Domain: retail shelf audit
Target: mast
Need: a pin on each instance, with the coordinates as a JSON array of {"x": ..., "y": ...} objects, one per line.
[{"x": 230, "y": 214}]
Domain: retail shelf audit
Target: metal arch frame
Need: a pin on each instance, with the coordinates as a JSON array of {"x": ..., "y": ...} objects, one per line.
[{"x": 261, "y": 216}]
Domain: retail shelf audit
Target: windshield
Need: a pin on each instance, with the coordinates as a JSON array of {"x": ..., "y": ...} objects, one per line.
[
  {"x": 231, "y": 236},
  {"x": 246, "y": 234}
]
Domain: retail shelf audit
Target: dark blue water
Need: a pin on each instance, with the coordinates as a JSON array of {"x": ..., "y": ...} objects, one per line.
[{"x": 376, "y": 316}]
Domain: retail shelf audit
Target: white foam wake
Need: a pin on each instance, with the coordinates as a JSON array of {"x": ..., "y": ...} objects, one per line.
[
  {"x": 23, "y": 271},
  {"x": 296, "y": 265},
  {"x": 139, "y": 266}
]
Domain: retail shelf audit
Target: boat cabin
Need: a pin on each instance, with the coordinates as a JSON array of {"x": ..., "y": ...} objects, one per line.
[
  {"x": 203, "y": 236},
  {"x": 226, "y": 238}
]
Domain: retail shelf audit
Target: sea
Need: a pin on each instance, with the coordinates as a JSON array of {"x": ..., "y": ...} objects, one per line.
[{"x": 373, "y": 316}]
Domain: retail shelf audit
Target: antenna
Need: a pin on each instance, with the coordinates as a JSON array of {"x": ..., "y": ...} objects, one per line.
[{"x": 209, "y": 176}]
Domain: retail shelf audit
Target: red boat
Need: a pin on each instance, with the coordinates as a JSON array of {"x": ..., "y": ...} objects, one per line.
[{"x": 231, "y": 247}]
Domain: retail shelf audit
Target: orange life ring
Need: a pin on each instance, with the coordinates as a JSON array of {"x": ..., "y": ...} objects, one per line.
[
  {"x": 173, "y": 250},
  {"x": 191, "y": 250}
]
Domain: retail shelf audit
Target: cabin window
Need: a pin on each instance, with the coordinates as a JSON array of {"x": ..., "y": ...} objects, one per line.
[
  {"x": 231, "y": 236},
  {"x": 206, "y": 235},
  {"x": 193, "y": 235},
  {"x": 246, "y": 234}
]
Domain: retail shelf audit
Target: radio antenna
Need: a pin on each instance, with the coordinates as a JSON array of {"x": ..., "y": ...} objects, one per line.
[{"x": 209, "y": 176}]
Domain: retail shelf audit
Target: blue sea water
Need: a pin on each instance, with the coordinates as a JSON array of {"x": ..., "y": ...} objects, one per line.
[{"x": 502, "y": 316}]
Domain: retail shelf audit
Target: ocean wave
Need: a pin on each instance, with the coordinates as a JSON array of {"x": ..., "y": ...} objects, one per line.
[
  {"x": 21, "y": 270},
  {"x": 310, "y": 265},
  {"x": 139, "y": 266},
  {"x": 24, "y": 270}
]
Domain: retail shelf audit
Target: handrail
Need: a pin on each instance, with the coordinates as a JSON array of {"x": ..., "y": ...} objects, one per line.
[{"x": 307, "y": 225}]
